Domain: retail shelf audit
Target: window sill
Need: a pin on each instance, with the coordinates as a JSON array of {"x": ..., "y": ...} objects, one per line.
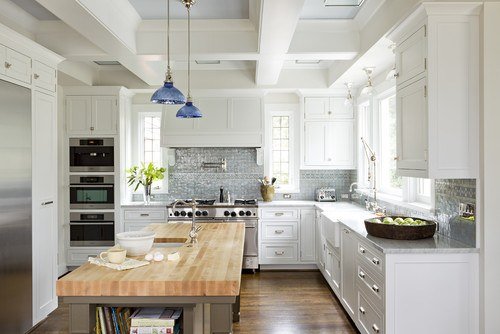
[{"x": 417, "y": 206}]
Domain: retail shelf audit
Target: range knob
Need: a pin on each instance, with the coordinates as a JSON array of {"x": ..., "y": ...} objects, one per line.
[
  {"x": 233, "y": 214},
  {"x": 176, "y": 213},
  {"x": 190, "y": 214},
  {"x": 205, "y": 213},
  {"x": 242, "y": 213},
  {"x": 248, "y": 213},
  {"x": 198, "y": 213},
  {"x": 183, "y": 213},
  {"x": 226, "y": 213}
]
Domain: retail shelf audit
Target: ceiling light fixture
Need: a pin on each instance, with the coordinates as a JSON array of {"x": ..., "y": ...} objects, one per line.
[
  {"x": 392, "y": 73},
  {"x": 307, "y": 62},
  {"x": 207, "y": 62},
  {"x": 368, "y": 89},
  {"x": 168, "y": 94},
  {"x": 107, "y": 62},
  {"x": 349, "y": 100},
  {"x": 343, "y": 3},
  {"x": 189, "y": 110}
]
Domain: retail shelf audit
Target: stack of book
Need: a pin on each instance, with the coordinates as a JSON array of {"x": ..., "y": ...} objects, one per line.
[
  {"x": 150, "y": 320},
  {"x": 112, "y": 320}
]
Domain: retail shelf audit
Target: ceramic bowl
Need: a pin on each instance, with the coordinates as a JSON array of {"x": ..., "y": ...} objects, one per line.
[{"x": 136, "y": 243}]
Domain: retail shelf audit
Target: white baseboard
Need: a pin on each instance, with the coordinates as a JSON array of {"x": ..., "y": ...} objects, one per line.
[{"x": 312, "y": 266}]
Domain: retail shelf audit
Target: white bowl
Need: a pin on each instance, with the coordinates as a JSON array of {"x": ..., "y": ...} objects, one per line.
[{"x": 136, "y": 243}]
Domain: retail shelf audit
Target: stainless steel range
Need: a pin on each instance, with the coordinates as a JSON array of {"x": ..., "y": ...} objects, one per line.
[{"x": 241, "y": 211}]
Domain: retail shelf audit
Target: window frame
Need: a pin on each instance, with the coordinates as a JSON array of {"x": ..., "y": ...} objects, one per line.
[{"x": 290, "y": 110}]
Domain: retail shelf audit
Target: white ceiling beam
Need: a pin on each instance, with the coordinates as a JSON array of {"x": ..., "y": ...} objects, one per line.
[
  {"x": 83, "y": 72},
  {"x": 17, "y": 19},
  {"x": 278, "y": 21},
  {"x": 110, "y": 25}
]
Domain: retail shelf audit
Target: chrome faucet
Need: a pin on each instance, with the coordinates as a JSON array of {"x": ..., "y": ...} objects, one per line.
[
  {"x": 193, "y": 233},
  {"x": 352, "y": 186}
]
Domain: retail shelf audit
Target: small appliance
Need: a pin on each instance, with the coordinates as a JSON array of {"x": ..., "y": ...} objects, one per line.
[
  {"x": 91, "y": 155},
  {"x": 92, "y": 192},
  {"x": 90, "y": 229},
  {"x": 326, "y": 195}
]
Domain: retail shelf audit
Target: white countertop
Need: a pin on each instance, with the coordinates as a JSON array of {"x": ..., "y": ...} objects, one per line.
[{"x": 142, "y": 205}]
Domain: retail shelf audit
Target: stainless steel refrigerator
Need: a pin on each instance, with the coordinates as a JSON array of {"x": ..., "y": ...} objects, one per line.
[{"x": 15, "y": 209}]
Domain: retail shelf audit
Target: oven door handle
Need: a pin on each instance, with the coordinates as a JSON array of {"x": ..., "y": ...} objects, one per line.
[
  {"x": 94, "y": 223},
  {"x": 91, "y": 185}
]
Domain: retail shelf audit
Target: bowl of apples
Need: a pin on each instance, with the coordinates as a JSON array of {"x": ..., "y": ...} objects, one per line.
[{"x": 400, "y": 228}]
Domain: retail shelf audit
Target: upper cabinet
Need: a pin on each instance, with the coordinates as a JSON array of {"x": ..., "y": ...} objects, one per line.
[
  {"x": 91, "y": 115},
  {"x": 437, "y": 60},
  {"x": 16, "y": 65},
  {"x": 328, "y": 134},
  {"x": 44, "y": 76},
  {"x": 226, "y": 122}
]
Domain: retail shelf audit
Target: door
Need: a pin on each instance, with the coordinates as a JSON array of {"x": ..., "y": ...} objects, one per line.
[
  {"x": 307, "y": 235},
  {"x": 17, "y": 66},
  {"x": 315, "y": 139},
  {"x": 341, "y": 142},
  {"x": 78, "y": 115},
  {"x": 411, "y": 56},
  {"x": 412, "y": 127},
  {"x": 104, "y": 115},
  {"x": 317, "y": 108},
  {"x": 44, "y": 206},
  {"x": 348, "y": 271}
]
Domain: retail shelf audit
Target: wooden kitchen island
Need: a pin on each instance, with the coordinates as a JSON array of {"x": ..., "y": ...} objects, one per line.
[{"x": 205, "y": 281}]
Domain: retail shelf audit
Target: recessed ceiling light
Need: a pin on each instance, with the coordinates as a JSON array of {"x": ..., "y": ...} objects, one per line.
[
  {"x": 347, "y": 3},
  {"x": 107, "y": 62},
  {"x": 207, "y": 62},
  {"x": 307, "y": 62}
]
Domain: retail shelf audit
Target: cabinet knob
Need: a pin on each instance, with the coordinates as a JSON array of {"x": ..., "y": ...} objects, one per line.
[
  {"x": 375, "y": 288},
  {"x": 396, "y": 75},
  {"x": 361, "y": 275},
  {"x": 346, "y": 231},
  {"x": 91, "y": 128},
  {"x": 329, "y": 159},
  {"x": 376, "y": 261},
  {"x": 362, "y": 250},
  {"x": 8, "y": 65},
  {"x": 375, "y": 328},
  {"x": 329, "y": 112},
  {"x": 362, "y": 310},
  {"x": 36, "y": 76},
  {"x": 396, "y": 158},
  {"x": 279, "y": 253}
]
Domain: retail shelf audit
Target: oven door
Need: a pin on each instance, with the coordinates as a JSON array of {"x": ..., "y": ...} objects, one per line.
[
  {"x": 89, "y": 234},
  {"x": 91, "y": 159},
  {"x": 92, "y": 196}
]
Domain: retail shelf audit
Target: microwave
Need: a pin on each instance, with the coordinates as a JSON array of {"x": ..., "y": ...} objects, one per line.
[
  {"x": 89, "y": 229},
  {"x": 92, "y": 192},
  {"x": 91, "y": 155}
]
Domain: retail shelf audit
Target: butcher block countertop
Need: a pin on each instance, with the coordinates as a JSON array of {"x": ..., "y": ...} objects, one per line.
[{"x": 210, "y": 268}]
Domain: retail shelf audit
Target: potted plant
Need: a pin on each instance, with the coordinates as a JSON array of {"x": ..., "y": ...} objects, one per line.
[{"x": 145, "y": 176}]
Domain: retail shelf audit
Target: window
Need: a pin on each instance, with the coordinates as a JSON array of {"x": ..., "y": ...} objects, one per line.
[
  {"x": 280, "y": 158},
  {"x": 149, "y": 144}
]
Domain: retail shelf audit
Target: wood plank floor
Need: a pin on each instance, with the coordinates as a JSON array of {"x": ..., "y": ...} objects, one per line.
[{"x": 271, "y": 303}]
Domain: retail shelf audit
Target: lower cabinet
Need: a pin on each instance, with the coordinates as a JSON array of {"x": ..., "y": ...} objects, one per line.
[
  {"x": 137, "y": 218},
  {"x": 348, "y": 291}
]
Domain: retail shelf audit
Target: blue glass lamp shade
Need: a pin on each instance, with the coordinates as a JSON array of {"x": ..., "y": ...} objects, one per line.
[
  {"x": 168, "y": 94},
  {"x": 189, "y": 111}
]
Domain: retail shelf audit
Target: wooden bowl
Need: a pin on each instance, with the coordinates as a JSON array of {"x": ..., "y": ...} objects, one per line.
[{"x": 401, "y": 232}]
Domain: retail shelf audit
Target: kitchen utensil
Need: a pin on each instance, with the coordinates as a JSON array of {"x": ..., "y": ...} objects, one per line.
[
  {"x": 136, "y": 243},
  {"x": 267, "y": 193},
  {"x": 114, "y": 255},
  {"x": 273, "y": 180}
]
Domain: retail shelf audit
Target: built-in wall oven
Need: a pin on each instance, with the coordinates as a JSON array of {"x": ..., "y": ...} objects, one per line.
[
  {"x": 91, "y": 155},
  {"x": 89, "y": 229},
  {"x": 92, "y": 192}
]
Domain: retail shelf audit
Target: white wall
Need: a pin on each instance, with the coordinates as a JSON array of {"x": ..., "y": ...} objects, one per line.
[
  {"x": 278, "y": 98},
  {"x": 490, "y": 180}
]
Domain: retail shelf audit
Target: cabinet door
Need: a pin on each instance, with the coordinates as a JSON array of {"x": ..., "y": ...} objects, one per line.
[
  {"x": 317, "y": 108},
  {"x": 341, "y": 144},
  {"x": 316, "y": 137},
  {"x": 412, "y": 127},
  {"x": 246, "y": 114},
  {"x": 44, "y": 76},
  {"x": 339, "y": 109},
  {"x": 3, "y": 51},
  {"x": 348, "y": 263},
  {"x": 307, "y": 237},
  {"x": 17, "y": 66},
  {"x": 335, "y": 272},
  {"x": 104, "y": 115},
  {"x": 328, "y": 254},
  {"x": 411, "y": 56},
  {"x": 320, "y": 262},
  {"x": 78, "y": 115},
  {"x": 44, "y": 205}
]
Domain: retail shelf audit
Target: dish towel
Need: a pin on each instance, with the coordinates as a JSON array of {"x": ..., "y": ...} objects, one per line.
[{"x": 126, "y": 265}]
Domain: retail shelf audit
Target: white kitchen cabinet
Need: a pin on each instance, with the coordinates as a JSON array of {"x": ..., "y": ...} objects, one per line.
[
  {"x": 45, "y": 244},
  {"x": 326, "y": 108},
  {"x": 91, "y": 115},
  {"x": 226, "y": 122},
  {"x": 307, "y": 235},
  {"x": 134, "y": 226},
  {"x": 44, "y": 76},
  {"x": 137, "y": 218},
  {"x": 437, "y": 57},
  {"x": 328, "y": 145},
  {"x": 17, "y": 65},
  {"x": 348, "y": 289}
]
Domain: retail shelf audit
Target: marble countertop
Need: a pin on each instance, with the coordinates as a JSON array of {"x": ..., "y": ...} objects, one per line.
[{"x": 142, "y": 205}]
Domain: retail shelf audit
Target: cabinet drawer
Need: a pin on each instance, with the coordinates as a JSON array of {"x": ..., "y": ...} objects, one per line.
[
  {"x": 371, "y": 321},
  {"x": 78, "y": 257},
  {"x": 373, "y": 259},
  {"x": 279, "y": 231},
  {"x": 371, "y": 285},
  {"x": 282, "y": 214},
  {"x": 17, "y": 66},
  {"x": 44, "y": 76},
  {"x": 135, "y": 226},
  {"x": 278, "y": 254},
  {"x": 144, "y": 215}
]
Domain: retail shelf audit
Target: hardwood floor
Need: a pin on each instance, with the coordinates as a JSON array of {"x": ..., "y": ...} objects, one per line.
[{"x": 271, "y": 303}]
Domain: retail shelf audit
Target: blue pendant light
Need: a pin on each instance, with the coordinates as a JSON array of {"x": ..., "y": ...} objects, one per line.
[
  {"x": 189, "y": 110},
  {"x": 168, "y": 94}
]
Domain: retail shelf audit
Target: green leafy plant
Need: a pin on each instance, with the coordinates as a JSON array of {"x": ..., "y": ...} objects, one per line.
[{"x": 144, "y": 175}]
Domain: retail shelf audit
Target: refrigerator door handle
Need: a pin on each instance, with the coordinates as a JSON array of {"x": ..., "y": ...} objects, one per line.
[{"x": 48, "y": 203}]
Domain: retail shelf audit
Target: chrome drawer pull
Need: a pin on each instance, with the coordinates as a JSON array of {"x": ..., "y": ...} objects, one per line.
[
  {"x": 279, "y": 214},
  {"x": 375, "y": 328},
  {"x": 375, "y": 288},
  {"x": 144, "y": 214},
  {"x": 279, "y": 253},
  {"x": 278, "y": 231},
  {"x": 362, "y": 310},
  {"x": 361, "y": 275},
  {"x": 362, "y": 250},
  {"x": 376, "y": 261}
]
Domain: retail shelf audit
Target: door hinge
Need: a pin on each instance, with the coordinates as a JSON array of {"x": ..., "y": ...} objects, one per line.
[
  {"x": 425, "y": 30},
  {"x": 425, "y": 63},
  {"x": 425, "y": 91},
  {"x": 116, "y": 103}
]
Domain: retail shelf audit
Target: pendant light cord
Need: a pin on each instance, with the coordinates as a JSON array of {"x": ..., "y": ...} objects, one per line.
[
  {"x": 189, "y": 52},
  {"x": 169, "y": 71}
]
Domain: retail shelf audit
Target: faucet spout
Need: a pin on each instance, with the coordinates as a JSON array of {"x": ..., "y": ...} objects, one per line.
[
  {"x": 351, "y": 187},
  {"x": 193, "y": 233}
]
